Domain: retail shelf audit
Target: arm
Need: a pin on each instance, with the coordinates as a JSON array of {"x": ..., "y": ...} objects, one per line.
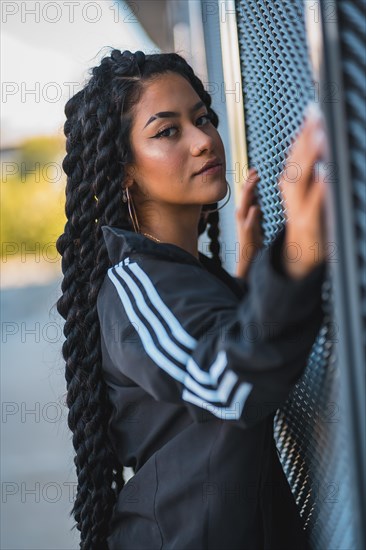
[{"x": 236, "y": 361}]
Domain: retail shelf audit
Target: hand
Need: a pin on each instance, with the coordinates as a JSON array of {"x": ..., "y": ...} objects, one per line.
[
  {"x": 248, "y": 223},
  {"x": 304, "y": 192}
]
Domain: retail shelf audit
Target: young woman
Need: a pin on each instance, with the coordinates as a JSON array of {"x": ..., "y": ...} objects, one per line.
[{"x": 173, "y": 366}]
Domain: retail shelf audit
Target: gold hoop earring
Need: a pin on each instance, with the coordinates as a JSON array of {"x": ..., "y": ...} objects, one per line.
[
  {"x": 222, "y": 206},
  {"x": 131, "y": 209}
]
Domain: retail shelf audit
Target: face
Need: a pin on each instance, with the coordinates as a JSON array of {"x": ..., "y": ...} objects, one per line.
[{"x": 170, "y": 150}]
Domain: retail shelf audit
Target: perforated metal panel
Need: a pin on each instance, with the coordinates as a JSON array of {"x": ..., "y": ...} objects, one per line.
[
  {"x": 310, "y": 430},
  {"x": 276, "y": 86},
  {"x": 352, "y": 33}
]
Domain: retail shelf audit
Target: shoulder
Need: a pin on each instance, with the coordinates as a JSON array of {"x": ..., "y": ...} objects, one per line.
[{"x": 143, "y": 287}]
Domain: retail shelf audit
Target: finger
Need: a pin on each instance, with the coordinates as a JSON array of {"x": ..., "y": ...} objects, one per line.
[
  {"x": 251, "y": 172},
  {"x": 313, "y": 120},
  {"x": 318, "y": 191},
  {"x": 247, "y": 198},
  {"x": 313, "y": 113},
  {"x": 298, "y": 170},
  {"x": 253, "y": 225},
  {"x": 316, "y": 152},
  {"x": 309, "y": 137},
  {"x": 251, "y": 178},
  {"x": 253, "y": 217}
]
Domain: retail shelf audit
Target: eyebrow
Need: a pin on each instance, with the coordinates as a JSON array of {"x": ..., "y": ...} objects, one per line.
[{"x": 166, "y": 114}]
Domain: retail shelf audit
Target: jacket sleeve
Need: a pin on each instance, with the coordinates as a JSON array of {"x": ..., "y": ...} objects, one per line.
[{"x": 170, "y": 331}]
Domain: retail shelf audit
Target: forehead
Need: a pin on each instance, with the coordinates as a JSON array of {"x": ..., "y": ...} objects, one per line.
[{"x": 168, "y": 92}]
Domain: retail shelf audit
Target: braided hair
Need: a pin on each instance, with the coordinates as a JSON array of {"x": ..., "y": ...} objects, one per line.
[{"x": 97, "y": 130}]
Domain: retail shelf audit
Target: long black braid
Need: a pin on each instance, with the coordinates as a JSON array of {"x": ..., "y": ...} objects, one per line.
[{"x": 97, "y": 130}]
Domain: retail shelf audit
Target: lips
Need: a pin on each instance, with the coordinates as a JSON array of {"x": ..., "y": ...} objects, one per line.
[{"x": 209, "y": 164}]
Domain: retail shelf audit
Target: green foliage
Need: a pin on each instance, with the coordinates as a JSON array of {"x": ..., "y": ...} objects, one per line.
[{"x": 33, "y": 197}]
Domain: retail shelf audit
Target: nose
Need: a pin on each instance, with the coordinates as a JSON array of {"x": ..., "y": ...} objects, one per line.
[{"x": 201, "y": 142}]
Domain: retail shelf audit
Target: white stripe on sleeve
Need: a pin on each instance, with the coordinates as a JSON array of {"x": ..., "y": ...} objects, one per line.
[
  {"x": 163, "y": 358},
  {"x": 180, "y": 334},
  {"x": 232, "y": 412}
]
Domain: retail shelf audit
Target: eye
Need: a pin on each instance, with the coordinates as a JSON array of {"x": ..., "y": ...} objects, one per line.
[
  {"x": 162, "y": 133},
  {"x": 166, "y": 131},
  {"x": 208, "y": 116}
]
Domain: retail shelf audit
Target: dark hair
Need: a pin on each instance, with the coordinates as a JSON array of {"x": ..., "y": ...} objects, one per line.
[{"x": 97, "y": 130}]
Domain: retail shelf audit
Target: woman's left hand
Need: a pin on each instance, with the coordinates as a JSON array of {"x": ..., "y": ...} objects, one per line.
[{"x": 248, "y": 223}]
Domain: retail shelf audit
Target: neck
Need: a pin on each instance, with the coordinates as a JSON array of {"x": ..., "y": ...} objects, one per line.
[{"x": 174, "y": 224}]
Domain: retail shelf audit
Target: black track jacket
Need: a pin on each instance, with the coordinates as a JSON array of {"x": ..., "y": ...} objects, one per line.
[{"x": 196, "y": 362}]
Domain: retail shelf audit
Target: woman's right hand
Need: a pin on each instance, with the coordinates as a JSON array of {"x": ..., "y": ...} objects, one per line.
[{"x": 304, "y": 194}]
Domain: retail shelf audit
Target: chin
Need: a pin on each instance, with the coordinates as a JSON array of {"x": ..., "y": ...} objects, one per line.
[
  {"x": 219, "y": 193},
  {"x": 214, "y": 191}
]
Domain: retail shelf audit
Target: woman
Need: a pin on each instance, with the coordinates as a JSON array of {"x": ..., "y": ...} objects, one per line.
[{"x": 174, "y": 367}]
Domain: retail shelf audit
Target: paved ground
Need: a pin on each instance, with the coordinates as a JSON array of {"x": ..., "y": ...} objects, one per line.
[{"x": 37, "y": 470}]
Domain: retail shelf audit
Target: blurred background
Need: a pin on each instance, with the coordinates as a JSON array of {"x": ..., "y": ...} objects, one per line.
[
  {"x": 262, "y": 62},
  {"x": 46, "y": 52}
]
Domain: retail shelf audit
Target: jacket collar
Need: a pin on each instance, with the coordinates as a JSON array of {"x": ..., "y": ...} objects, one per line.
[{"x": 121, "y": 242}]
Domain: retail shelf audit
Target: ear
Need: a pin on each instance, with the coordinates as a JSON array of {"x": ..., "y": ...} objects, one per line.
[{"x": 128, "y": 179}]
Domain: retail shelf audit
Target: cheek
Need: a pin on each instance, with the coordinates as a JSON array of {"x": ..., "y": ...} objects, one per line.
[
  {"x": 150, "y": 158},
  {"x": 161, "y": 162},
  {"x": 220, "y": 143},
  {"x": 161, "y": 174}
]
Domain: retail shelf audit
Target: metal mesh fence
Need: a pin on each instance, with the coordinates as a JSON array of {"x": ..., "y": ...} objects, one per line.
[
  {"x": 352, "y": 31},
  {"x": 310, "y": 430}
]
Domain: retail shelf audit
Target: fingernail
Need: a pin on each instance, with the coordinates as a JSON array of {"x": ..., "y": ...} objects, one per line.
[
  {"x": 313, "y": 112},
  {"x": 319, "y": 137}
]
